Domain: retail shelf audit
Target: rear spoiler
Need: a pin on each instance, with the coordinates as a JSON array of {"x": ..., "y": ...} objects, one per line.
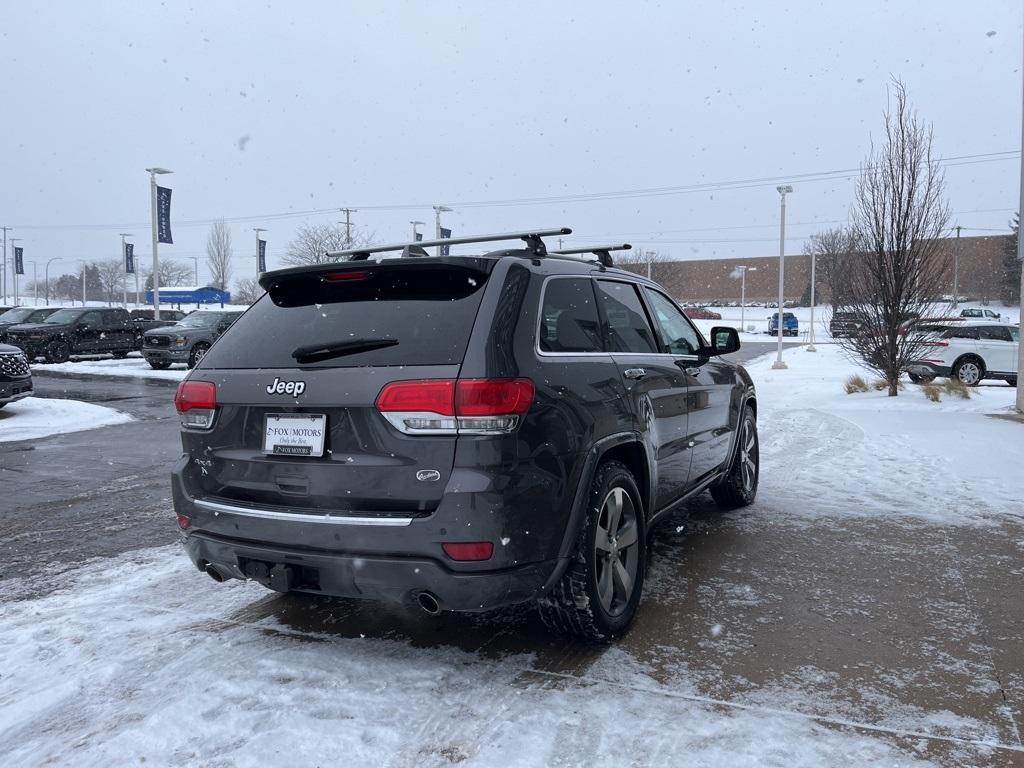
[{"x": 532, "y": 238}]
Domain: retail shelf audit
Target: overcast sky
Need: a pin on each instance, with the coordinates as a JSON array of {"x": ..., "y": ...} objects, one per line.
[{"x": 274, "y": 109}]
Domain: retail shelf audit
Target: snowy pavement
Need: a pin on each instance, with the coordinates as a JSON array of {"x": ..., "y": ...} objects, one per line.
[
  {"x": 131, "y": 367},
  {"x": 35, "y": 417},
  {"x": 864, "y": 611}
]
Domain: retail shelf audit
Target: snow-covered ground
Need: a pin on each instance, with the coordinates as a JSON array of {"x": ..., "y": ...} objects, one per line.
[
  {"x": 146, "y": 660},
  {"x": 131, "y": 367},
  {"x": 36, "y": 417}
]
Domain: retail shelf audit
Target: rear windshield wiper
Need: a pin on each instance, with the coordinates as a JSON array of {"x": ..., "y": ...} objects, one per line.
[{"x": 314, "y": 353}]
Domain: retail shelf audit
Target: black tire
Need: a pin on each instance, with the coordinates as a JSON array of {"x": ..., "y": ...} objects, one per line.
[
  {"x": 198, "y": 352},
  {"x": 160, "y": 365},
  {"x": 969, "y": 370},
  {"x": 579, "y": 605},
  {"x": 120, "y": 355},
  {"x": 739, "y": 487},
  {"x": 919, "y": 378},
  {"x": 57, "y": 352}
]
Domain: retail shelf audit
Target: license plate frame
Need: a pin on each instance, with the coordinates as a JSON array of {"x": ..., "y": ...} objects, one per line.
[{"x": 301, "y": 446}]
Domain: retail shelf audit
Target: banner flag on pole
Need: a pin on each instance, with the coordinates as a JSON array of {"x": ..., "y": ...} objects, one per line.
[
  {"x": 446, "y": 249},
  {"x": 419, "y": 236},
  {"x": 129, "y": 258},
  {"x": 163, "y": 215},
  {"x": 19, "y": 262},
  {"x": 263, "y": 256}
]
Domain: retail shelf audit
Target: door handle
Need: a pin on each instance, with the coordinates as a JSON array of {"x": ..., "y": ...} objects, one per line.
[{"x": 634, "y": 373}]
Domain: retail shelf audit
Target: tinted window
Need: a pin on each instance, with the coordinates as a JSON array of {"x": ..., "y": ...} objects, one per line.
[
  {"x": 962, "y": 333},
  {"x": 626, "y": 325},
  {"x": 569, "y": 321},
  {"x": 17, "y": 315},
  {"x": 995, "y": 333},
  {"x": 64, "y": 316},
  {"x": 94, "y": 319},
  {"x": 206, "y": 319},
  {"x": 429, "y": 311},
  {"x": 678, "y": 337}
]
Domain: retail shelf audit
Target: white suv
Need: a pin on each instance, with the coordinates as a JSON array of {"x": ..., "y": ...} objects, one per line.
[{"x": 970, "y": 351}]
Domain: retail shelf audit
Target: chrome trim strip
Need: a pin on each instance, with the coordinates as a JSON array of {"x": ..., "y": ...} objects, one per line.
[{"x": 267, "y": 514}]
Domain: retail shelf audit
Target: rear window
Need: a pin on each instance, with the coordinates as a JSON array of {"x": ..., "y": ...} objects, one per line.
[{"x": 425, "y": 315}]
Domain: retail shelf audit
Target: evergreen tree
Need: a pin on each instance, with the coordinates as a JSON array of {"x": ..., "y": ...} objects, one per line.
[{"x": 1011, "y": 267}]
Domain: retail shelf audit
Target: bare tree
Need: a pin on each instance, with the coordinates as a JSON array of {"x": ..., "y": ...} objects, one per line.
[
  {"x": 172, "y": 273},
  {"x": 312, "y": 242},
  {"x": 112, "y": 279},
  {"x": 247, "y": 290},
  {"x": 834, "y": 251},
  {"x": 218, "y": 254},
  {"x": 898, "y": 218}
]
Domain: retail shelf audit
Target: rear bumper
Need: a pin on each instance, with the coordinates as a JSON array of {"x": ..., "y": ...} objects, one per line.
[
  {"x": 15, "y": 389},
  {"x": 386, "y": 578},
  {"x": 922, "y": 368}
]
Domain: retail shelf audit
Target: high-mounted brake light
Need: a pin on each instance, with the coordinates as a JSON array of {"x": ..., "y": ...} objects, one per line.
[
  {"x": 196, "y": 403},
  {"x": 339, "y": 277},
  {"x": 455, "y": 406}
]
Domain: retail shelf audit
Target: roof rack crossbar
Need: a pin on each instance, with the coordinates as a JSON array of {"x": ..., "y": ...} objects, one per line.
[
  {"x": 603, "y": 252},
  {"x": 532, "y": 238}
]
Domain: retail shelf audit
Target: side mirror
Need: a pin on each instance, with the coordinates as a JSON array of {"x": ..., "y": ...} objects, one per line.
[{"x": 724, "y": 340}]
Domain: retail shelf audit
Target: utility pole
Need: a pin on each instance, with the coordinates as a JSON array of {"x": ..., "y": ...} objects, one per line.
[
  {"x": 156, "y": 236},
  {"x": 956, "y": 269},
  {"x": 257, "y": 230},
  {"x": 348, "y": 225},
  {"x": 14, "y": 268},
  {"x": 743, "y": 293},
  {"x": 3, "y": 275},
  {"x": 438, "y": 210},
  {"x": 781, "y": 326}
]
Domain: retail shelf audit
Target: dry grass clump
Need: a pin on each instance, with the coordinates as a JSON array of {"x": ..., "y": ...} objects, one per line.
[
  {"x": 855, "y": 383},
  {"x": 953, "y": 386},
  {"x": 932, "y": 391}
]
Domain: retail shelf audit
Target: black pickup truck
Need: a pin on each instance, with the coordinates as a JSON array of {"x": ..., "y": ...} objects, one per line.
[{"x": 76, "y": 331}]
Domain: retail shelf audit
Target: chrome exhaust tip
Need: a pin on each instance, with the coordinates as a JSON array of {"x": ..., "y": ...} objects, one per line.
[{"x": 429, "y": 603}]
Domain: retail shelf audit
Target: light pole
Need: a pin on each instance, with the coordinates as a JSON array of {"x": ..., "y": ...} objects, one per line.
[
  {"x": 195, "y": 269},
  {"x": 14, "y": 268},
  {"x": 46, "y": 277},
  {"x": 153, "y": 172},
  {"x": 743, "y": 294},
  {"x": 956, "y": 269},
  {"x": 1020, "y": 259},
  {"x": 3, "y": 274},
  {"x": 124, "y": 261},
  {"x": 35, "y": 284},
  {"x": 810, "y": 339},
  {"x": 438, "y": 210},
  {"x": 780, "y": 327},
  {"x": 414, "y": 231},
  {"x": 257, "y": 230}
]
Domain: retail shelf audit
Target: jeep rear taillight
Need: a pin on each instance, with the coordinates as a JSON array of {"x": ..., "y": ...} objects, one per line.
[
  {"x": 455, "y": 406},
  {"x": 196, "y": 403}
]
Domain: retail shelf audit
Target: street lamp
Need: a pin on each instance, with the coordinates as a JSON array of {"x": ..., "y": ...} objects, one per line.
[
  {"x": 257, "y": 230},
  {"x": 153, "y": 173},
  {"x": 46, "y": 278},
  {"x": 14, "y": 267},
  {"x": 743, "y": 293},
  {"x": 414, "y": 225},
  {"x": 780, "y": 327},
  {"x": 438, "y": 210},
  {"x": 35, "y": 284}
]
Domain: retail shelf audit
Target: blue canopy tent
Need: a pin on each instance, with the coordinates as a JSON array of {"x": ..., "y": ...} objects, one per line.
[{"x": 197, "y": 295}]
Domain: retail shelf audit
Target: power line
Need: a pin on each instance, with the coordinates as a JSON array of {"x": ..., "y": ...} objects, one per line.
[{"x": 739, "y": 184}]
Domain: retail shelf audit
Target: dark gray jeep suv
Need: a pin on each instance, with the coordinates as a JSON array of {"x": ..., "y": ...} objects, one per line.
[{"x": 461, "y": 432}]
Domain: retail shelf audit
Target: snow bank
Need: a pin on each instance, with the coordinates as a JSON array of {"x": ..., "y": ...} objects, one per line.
[
  {"x": 129, "y": 367},
  {"x": 869, "y": 454},
  {"x": 148, "y": 661},
  {"x": 36, "y": 417}
]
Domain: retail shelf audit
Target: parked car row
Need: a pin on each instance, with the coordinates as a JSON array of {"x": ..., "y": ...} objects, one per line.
[{"x": 58, "y": 333}]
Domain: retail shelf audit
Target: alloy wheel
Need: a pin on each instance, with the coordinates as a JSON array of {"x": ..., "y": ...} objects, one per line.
[
  {"x": 748, "y": 455},
  {"x": 969, "y": 373},
  {"x": 616, "y": 551}
]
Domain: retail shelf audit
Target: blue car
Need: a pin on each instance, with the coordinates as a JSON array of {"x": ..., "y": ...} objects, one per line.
[{"x": 790, "y": 326}]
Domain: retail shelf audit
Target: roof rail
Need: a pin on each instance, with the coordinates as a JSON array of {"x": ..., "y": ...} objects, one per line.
[
  {"x": 603, "y": 252},
  {"x": 532, "y": 238}
]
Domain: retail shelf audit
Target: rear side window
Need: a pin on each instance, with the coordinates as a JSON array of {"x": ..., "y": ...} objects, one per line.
[
  {"x": 626, "y": 324},
  {"x": 402, "y": 315},
  {"x": 962, "y": 333},
  {"x": 995, "y": 333},
  {"x": 569, "y": 320}
]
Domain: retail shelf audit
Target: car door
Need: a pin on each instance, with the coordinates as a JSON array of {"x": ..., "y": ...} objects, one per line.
[
  {"x": 997, "y": 348},
  {"x": 709, "y": 385},
  {"x": 86, "y": 336},
  {"x": 655, "y": 386}
]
